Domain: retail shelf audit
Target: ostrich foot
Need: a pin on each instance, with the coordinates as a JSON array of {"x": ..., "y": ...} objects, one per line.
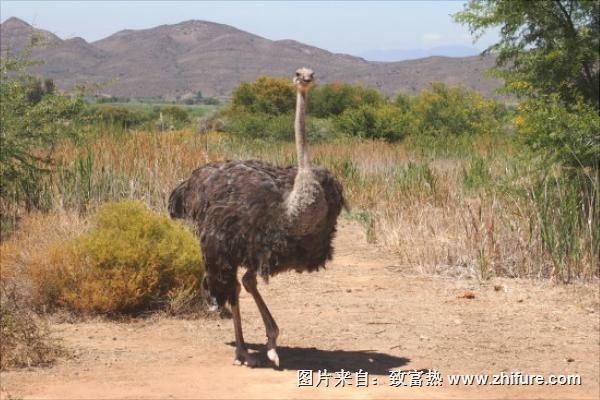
[
  {"x": 272, "y": 354},
  {"x": 245, "y": 358}
]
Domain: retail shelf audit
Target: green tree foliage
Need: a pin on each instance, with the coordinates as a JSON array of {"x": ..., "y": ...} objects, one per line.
[
  {"x": 33, "y": 118},
  {"x": 36, "y": 90},
  {"x": 265, "y": 95},
  {"x": 443, "y": 110},
  {"x": 574, "y": 139},
  {"x": 549, "y": 52},
  {"x": 545, "y": 46},
  {"x": 333, "y": 99}
]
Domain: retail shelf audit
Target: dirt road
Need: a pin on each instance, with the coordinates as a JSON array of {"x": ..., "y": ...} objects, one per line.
[{"x": 364, "y": 312}]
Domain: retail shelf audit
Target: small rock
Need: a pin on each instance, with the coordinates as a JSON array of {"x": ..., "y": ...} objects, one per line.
[
  {"x": 467, "y": 295},
  {"x": 498, "y": 288},
  {"x": 569, "y": 359},
  {"x": 114, "y": 338}
]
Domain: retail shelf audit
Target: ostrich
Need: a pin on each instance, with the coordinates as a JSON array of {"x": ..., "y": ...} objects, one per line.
[{"x": 265, "y": 218}]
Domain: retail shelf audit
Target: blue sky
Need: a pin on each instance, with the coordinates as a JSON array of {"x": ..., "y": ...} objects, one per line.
[{"x": 343, "y": 27}]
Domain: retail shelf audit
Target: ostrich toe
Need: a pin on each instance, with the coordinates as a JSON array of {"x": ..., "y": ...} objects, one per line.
[
  {"x": 272, "y": 354},
  {"x": 250, "y": 360}
]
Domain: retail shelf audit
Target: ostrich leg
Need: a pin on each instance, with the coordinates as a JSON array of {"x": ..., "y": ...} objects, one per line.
[
  {"x": 249, "y": 281},
  {"x": 241, "y": 351}
]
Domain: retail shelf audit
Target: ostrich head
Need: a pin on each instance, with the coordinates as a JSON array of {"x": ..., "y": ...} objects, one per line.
[{"x": 304, "y": 78}]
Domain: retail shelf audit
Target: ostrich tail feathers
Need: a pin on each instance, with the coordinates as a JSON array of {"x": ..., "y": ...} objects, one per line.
[{"x": 176, "y": 204}]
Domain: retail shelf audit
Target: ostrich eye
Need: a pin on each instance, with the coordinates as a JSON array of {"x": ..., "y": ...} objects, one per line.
[{"x": 297, "y": 73}]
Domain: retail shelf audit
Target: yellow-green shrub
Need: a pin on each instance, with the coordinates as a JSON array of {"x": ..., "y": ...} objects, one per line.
[
  {"x": 265, "y": 95},
  {"x": 441, "y": 110},
  {"x": 131, "y": 260}
]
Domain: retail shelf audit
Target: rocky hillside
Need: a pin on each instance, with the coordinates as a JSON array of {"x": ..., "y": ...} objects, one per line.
[{"x": 171, "y": 60}]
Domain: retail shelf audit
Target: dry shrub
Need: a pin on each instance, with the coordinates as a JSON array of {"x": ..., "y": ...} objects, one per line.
[
  {"x": 24, "y": 257},
  {"x": 25, "y": 340},
  {"x": 131, "y": 261}
]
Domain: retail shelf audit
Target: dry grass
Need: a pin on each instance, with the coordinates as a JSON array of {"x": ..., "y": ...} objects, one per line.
[
  {"x": 26, "y": 257},
  {"x": 451, "y": 206},
  {"x": 454, "y": 207},
  {"x": 25, "y": 339}
]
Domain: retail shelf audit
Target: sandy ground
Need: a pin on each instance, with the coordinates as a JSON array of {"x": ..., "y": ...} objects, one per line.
[{"x": 364, "y": 312}]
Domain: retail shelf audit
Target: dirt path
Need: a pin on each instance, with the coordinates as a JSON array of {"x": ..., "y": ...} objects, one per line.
[{"x": 364, "y": 312}]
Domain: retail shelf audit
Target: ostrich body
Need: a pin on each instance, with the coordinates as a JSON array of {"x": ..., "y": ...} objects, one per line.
[{"x": 265, "y": 218}]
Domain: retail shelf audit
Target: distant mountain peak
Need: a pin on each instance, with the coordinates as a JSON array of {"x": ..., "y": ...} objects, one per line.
[
  {"x": 15, "y": 23},
  {"x": 393, "y": 55}
]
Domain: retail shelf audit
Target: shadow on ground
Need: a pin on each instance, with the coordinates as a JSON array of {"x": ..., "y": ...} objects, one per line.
[{"x": 295, "y": 358}]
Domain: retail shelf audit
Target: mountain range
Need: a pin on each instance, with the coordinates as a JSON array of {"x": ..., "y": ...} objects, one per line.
[
  {"x": 391, "y": 55},
  {"x": 191, "y": 56}
]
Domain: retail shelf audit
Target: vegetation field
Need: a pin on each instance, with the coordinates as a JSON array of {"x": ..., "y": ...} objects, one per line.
[{"x": 482, "y": 215}]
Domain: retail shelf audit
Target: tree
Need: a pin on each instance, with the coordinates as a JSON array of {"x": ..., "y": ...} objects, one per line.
[
  {"x": 549, "y": 54},
  {"x": 32, "y": 121},
  {"x": 545, "y": 46}
]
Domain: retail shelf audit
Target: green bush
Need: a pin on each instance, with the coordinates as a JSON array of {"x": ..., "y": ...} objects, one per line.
[
  {"x": 265, "y": 95},
  {"x": 373, "y": 122},
  {"x": 175, "y": 116},
  {"x": 403, "y": 101},
  {"x": 443, "y": 110},
  {"x": 334, "y": 98},
  {"x": 132, "y": 260},
  {"x": 266, "y": 126},
  {"x": 114, "y": 115}
]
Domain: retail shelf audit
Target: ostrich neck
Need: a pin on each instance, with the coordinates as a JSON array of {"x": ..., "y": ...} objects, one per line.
[
  {"x": 299, "y": 129},
  {"x": 306, "y": 205}
]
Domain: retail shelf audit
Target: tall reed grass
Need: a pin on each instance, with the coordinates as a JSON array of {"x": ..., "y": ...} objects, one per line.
[
  {"x": 464, "y": 205},
  {"x": 457, "y": 205}
]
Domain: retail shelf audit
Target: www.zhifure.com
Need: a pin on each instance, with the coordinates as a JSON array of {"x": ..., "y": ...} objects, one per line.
[{"x": 433, "y": 378}]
